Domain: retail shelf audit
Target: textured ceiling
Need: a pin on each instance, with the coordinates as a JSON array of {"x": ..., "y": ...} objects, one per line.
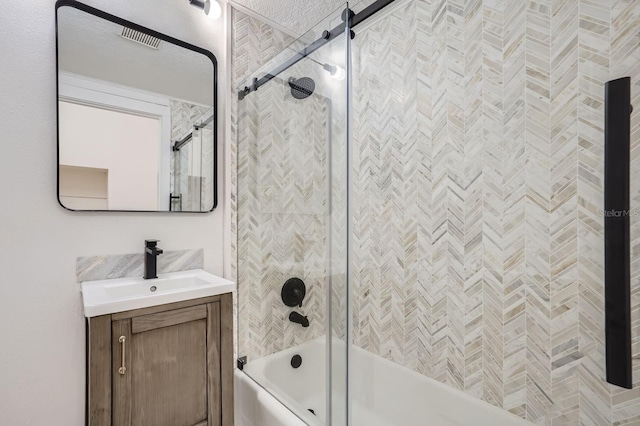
[
  {"x": 296, "y": 15},
  {"x": 92, "y": 47}
]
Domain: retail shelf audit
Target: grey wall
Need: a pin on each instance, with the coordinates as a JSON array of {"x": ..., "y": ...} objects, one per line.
[{"x": 41, "y": 321}]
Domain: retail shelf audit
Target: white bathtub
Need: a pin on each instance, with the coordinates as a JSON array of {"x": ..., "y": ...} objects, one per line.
[
  {"x": 254, "y": 406},
  {"x": 383, "y": 393}
]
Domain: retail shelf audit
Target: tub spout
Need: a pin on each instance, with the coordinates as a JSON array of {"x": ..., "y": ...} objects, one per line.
[{"x": 299, "y": 319}]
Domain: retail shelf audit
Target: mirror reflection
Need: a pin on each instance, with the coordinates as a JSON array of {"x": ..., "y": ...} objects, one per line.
[{"x": 136, "y": 117}]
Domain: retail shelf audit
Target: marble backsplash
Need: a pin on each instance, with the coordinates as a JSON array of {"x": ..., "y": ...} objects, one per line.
[{"x": 132, "y": 265}]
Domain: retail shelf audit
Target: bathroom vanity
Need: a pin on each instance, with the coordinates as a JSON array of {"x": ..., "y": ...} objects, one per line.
[{"x": 165, "y": 363}]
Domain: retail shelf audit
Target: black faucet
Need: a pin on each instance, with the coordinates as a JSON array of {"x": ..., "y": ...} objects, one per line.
[
  {"x": 299, "y": 319},
  {"x": 151, "y": 252}
]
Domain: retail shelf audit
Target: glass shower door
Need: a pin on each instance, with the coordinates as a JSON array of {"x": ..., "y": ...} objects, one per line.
[
  {"x": 291, "y": 226},
  {"x": 192, "y": 161},
  {"x": 478, "y": 219}
]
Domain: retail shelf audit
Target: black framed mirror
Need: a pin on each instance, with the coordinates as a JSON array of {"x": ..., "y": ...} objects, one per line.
[{"x": 137, "y": 116}]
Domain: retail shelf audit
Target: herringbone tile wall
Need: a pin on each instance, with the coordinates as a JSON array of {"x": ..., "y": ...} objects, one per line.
[
  {"x": 477, "y": 198},
  {"x": 282, "y": 150},
  {"x": 477, "y": 254},
  {"x": 253, "y": 43}
]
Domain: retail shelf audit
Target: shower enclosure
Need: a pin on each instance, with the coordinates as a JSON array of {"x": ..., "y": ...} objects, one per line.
[
  {"x": 291, "y": 186},
  {"x": 192, "y": 161},
  {"x": 433, "y": 172}
]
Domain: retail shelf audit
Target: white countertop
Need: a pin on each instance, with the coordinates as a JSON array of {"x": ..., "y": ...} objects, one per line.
[{"x": 105, "y": 297}]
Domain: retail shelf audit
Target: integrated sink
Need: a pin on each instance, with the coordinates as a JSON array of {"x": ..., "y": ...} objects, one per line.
[{"x": 123, "y": 294}]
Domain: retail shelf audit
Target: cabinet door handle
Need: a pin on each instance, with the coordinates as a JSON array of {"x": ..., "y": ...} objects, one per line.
[{"x": 122, "y": 369}]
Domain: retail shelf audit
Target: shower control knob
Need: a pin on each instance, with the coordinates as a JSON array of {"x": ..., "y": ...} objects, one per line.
[{"x": 293, "y": 292}]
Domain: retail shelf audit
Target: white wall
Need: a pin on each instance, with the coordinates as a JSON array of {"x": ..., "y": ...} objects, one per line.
[
  {"x": 42, "y": 352},
  {"x": 84, "y": 188},
  {"x": 127, "y": 145}
]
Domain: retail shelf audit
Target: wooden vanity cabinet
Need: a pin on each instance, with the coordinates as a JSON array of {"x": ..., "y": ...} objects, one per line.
[{"x": 167, "y": 365}]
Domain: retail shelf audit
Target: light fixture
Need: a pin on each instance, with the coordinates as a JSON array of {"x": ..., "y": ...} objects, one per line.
[
  {"x": 335, "y": 71},
  {"x": 211, "y": 7}
]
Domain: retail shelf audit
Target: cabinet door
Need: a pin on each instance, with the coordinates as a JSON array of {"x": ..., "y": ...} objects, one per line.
[{"x": 170, "y": 373}]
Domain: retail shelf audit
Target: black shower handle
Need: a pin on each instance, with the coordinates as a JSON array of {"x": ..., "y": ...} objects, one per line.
[
  {"x": 293, "y": 292},
  {"x": 298, "y": 295}
]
